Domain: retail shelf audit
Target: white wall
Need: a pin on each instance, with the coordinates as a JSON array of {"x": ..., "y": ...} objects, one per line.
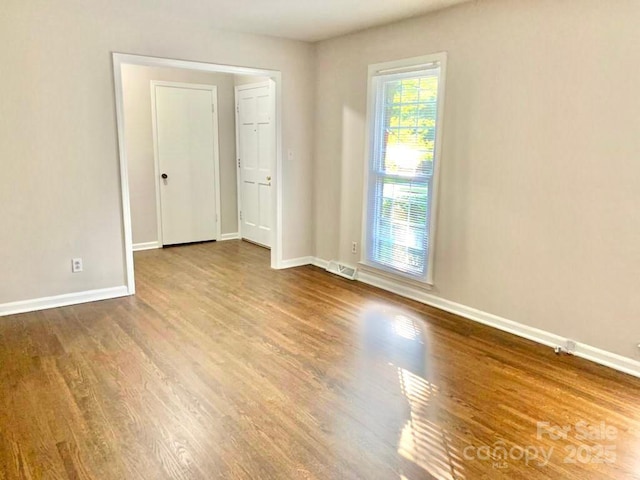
[
  {"x": 539, "y": 201},
  {"x": 59, "y": 188},
  {"x": 136, "y": 82}
]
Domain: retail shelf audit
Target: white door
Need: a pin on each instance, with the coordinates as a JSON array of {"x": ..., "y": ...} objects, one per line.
[
  {"x": 256, "y": 157},
  {"x": 186, "y": 151}
]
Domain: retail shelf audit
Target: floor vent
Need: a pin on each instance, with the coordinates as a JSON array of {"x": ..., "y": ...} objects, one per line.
[{"x": 343, "y": 270}]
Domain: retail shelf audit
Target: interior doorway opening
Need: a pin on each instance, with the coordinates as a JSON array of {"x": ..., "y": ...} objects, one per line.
[{"x": 193, "y": 154}]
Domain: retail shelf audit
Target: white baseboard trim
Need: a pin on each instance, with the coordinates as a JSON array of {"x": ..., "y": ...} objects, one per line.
[
  {"x": 602, "y": 357},
  {"x": 479, "y": 316},
  {"x": 301, "y": 261},
  {"x": 608, "y": 359},
  {"x": 229, "y": 236},
  {"x": 319, "y": 262},
  {"x": 296, "y": 262},
  {"x": 62, "y": 300},
  {"x": 138, "y": 247}
]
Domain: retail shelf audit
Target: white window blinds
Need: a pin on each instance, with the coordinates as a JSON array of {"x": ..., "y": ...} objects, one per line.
[{"x": 401, "y": 169}]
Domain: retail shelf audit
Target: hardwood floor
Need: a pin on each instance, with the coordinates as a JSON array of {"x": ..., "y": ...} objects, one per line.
[{"x": 222, "y": 368}]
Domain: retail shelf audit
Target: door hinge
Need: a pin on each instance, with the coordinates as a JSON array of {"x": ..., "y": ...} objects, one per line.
[
  {"x": 240, "y": 214},
  {"x": 237, "y": 108},
  {"x": 213, "y": 108},
  {"x": 238, "y": 163}
]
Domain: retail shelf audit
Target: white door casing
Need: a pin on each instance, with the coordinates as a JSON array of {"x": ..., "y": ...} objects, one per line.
[
  {"x": 256, "y": 151},
  {"x": 186, "y": 152}
]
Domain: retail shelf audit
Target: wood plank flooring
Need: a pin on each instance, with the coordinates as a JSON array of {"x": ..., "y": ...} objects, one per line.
[{"x": 221, "y": 368}]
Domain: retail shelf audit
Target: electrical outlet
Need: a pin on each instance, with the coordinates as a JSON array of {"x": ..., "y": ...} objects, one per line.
[
  {"x": 354, "y": 247},
  {"x": 76, "y": 265}
]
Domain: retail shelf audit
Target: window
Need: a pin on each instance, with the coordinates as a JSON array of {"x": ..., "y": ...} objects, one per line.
[{"x": 404, "y": 144}]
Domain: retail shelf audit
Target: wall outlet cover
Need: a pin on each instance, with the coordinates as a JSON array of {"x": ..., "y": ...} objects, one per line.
[{"x": 76, "y": 265}]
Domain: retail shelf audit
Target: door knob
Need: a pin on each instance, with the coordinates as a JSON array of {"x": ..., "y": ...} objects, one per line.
[{"x": 164, "y": 176}]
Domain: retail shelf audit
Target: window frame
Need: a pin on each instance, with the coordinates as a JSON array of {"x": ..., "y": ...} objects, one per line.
[{"x": 407, "y": 65}]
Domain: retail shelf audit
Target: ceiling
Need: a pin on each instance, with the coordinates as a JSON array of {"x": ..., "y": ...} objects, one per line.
[{"x": 308, "y": 20}]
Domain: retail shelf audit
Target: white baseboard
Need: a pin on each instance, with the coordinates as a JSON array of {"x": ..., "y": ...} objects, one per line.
[
  {"x": 319, "y": 262},
  {"x": 296, "y": 262},
  {"x": 138, "y": 247},
  {"x": 588, "y": 352},
  {"x": 608, "y": 359},
  {"x": 62, "y": 300},
  {"x": 229, "y": 236}
]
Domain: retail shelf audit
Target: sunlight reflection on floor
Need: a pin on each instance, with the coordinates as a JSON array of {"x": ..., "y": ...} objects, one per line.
[
  {"x": 406, "y": 327},
  {"x": 399, "y": 339},
  {"x": 423, "y": 442}
]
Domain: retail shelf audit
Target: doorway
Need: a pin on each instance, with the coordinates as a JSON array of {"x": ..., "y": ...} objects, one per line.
[{"x": 271, "y": 196}]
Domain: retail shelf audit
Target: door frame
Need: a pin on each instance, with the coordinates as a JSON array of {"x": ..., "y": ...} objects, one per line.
[
  {"x": 120, "y": 59},
  {"x": 237, "y": 88},
  {"x": 156, "y": 157}
]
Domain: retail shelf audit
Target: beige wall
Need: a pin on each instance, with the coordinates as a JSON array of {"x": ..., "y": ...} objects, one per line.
[
  {"x": 60, "y": 188},
  {"x": 248, "y": 79},
  {"x": 136, "y": 82},
  {"x": 539, "y": 201}
]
